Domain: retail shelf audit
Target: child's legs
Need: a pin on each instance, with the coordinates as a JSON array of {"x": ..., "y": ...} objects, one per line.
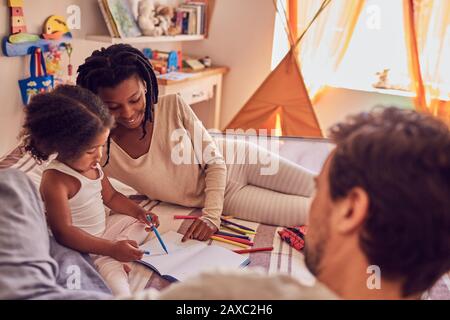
[
  {"x": 122, "y": 227},
  {"x": 119, "y": 227},
  {"x": 266, "y": 206},
  {"x": 114, "y": 274}
]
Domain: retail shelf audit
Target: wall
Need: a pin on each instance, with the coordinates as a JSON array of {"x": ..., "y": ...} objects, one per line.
[
  {"x": 15, "y": 68},
  {"x": 337, "y": 103},
  {"x": 240, "y": 37}
]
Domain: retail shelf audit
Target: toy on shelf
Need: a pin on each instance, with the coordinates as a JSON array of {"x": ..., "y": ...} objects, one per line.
[
  {"x": 164, "y": 62},
  {"x": 18, "y": 24},
  {"x": 55, "y": 28},
  {"x": 21, "y": 43},
  {"x": 69, "y": 51},
  {"x": 39, "y": 80},
  {"x": 155, "y": 20},
  {"x": 53, "y": 61}
]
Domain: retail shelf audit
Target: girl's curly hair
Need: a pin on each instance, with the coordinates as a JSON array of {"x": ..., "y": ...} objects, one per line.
[{"x": 64, "y": 121}]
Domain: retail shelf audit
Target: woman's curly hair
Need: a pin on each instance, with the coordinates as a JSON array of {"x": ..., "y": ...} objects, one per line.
[
  {"x": 64, "y": 121},
  {"x": 107, "y": 68}
]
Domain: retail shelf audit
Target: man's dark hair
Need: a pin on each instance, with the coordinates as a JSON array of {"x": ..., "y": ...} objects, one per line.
[
  {"x": 64, "y": 121},
  {"x": 107, "y": 68},
  {"x": 401, "y": 158}
]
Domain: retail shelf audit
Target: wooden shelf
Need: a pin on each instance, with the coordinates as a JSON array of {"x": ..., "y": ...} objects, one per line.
[{"x": 111, "y": 40}]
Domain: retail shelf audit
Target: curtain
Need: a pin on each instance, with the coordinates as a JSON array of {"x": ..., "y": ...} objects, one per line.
[
  {"x": 321, "y": 50},
  {"x": 428, "y": 41}
]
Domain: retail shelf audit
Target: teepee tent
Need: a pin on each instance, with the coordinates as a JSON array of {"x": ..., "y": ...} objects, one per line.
[
  {"x": 282, "y": 101},
  {"x": 281, "y": 98}
]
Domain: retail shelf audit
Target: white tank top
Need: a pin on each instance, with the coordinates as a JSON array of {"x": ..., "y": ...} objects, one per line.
[{"x": 88, "y": 211}]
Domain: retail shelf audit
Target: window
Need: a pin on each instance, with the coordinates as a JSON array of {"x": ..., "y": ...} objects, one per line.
[{"x": 377, "y": 54}]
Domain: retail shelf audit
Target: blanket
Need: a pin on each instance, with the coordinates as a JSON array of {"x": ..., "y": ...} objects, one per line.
[{"x": 27, "y": 270}]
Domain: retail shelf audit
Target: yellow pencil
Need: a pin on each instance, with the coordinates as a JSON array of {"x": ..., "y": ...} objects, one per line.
[
  {"x": 239, "y": 230},
  {"x": 229, "y": 242}
]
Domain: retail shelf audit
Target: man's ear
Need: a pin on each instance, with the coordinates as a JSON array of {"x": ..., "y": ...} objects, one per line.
[{"x": 352, "y": 211}]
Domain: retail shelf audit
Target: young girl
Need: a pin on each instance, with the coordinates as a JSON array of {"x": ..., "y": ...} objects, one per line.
[{"x": 74, "y": 124}]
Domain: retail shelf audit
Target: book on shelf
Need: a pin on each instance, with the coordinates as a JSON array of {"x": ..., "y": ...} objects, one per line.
[
  {"x": 207, "y": 8},
  {"x": 200, "y": 15},
  {"x": 194, "y": 15},
  {"x": 109, "y": 21},
  {"x": 119, "y": 18},
  {"x": 191, "y": 17},
  {"x": 188, "y": 259}
]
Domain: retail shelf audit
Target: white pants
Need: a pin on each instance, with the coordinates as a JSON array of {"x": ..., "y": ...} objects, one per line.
[
  {"x": 282, "y": 198},
  {"x": 119, "y": 227}
]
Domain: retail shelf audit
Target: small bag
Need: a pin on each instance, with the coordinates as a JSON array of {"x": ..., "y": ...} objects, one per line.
[
  {"x": 36, "y": 84},
  {"x": 294, "y": 236}
]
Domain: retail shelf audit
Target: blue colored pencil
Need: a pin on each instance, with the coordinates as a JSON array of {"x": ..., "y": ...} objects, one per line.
[{"x": 158, "y": 235}]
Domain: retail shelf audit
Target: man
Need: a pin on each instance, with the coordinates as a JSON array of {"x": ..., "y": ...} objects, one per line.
[{"x": 379, "y": 223}]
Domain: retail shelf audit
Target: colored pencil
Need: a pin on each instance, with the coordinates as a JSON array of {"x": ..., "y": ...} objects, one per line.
[
  {"x": 161, "y": 241},
  {"x": 221, "y": 233},
  {"x": 239, "y": 230},
  {"x": 249, "y": 243},
  {"x": 237, "y": 225},
  {"x": 227, "y": 217},
  {"x": 253, "y": 250},
  {"x": 233, "y": 229},
  {"x": 185, "y": 217},
  {"x": 229, "y": 242}
]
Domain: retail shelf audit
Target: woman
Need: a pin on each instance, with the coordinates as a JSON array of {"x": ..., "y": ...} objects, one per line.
[{"x": 143, "y": 148}]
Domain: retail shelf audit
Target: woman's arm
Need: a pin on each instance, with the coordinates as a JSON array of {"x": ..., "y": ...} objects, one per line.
[
  {"x": 119, "y": 203},
  {"x": 55, "y": 195},
  {"x": 213, "y": 163}
]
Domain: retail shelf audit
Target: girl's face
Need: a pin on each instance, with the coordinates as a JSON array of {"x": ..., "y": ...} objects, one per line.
[
  {"x": 90, "y": 158},
  {"x": 126, "y": 102}
]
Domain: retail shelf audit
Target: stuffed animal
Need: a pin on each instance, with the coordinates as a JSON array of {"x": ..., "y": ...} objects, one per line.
[
  {"x": 154, "y": 20},
  {"x": 146, "y": 18}
]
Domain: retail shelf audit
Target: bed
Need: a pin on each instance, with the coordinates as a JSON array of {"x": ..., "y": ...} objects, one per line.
[{"x": 310, "y": 153}]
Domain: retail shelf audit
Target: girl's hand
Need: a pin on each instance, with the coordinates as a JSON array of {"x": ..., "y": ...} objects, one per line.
[
  {"x": 126, "y": 251},
  {"x": 142, "y": 217},
  {"x": 201, "y": 230}
]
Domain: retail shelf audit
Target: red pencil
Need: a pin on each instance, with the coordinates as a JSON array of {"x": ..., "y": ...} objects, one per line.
[
  {"x": 240, "y": 240},
  {"x": 253, "y": 250},
  {"x": 185, "y": 217}
]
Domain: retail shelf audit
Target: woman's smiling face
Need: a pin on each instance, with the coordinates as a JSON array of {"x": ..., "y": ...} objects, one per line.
[{"x": 126, "y": 102}]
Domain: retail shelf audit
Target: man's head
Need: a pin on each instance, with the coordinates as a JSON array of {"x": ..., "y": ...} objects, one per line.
[{"x": 384, "y": 193}]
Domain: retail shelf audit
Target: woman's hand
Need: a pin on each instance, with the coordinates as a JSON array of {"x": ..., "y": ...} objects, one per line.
[
  {"x": 126, "y": 251},
  {"x": 201, "y": 230}
]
